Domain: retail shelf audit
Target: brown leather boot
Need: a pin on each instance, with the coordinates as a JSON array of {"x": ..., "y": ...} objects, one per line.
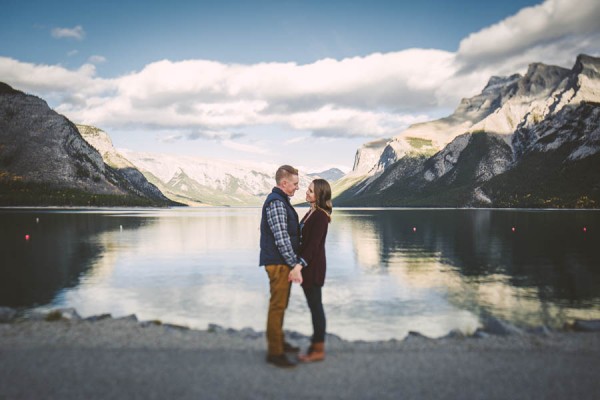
[
  {"x": 280, "y": 361},
  {"x": 316, "y": 352},
  {"x": 290, "y": 348}
]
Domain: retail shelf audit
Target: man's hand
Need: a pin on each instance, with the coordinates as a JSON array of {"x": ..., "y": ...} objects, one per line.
[{"x": 296, "y": 274}]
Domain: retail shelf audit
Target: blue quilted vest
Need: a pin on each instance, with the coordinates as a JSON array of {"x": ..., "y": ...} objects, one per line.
[{"x": 269, "y": 254}]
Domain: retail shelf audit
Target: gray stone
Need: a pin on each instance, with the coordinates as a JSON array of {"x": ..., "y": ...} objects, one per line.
[
  {"x": 582, "y": 325},
  {"x": 213, "y": 328},
  {"x": 250, "y": 333},
  {"x": 95, "y": 318},
  {"x": 479, "y": 334},
  {"x": 293, "y": 335},
  {"x": 36, "y": 315},
  {"x": 495, "y": 326},
  {"x": 145, "y": 324},
  {"x": 69, "y": 314},
  {"x": 412, "y": 335},
  {"x": 54, "y": 315},
  {"x": 331, "y": 338},
  {"x": 7, "y": 314},
  {"x": 454, "y": 334},
  {"x": 173, "y": 327},
  {"x": 540, "y": 330},
  {"x": 131, "y": 317}
]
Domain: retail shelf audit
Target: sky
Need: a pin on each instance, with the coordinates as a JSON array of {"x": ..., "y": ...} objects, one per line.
[{"x": 296, "y": 82}]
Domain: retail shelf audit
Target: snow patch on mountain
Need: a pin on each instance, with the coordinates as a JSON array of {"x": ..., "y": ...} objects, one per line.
[{"x": 196, "y": 180}]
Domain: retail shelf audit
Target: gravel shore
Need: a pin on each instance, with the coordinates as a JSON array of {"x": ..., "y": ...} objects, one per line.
[{"x": 110, "y": 358}]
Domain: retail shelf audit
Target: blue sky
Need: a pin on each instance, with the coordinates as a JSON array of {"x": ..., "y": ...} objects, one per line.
[
  {"x": 130, "y": 34},
  {"x": 303, "y": 82}
]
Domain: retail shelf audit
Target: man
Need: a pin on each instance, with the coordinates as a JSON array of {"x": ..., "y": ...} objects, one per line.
[{"x": 279, "y": 245}]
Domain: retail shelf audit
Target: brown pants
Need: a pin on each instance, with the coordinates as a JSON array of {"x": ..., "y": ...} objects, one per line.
[{"x": 280, "y": 295}]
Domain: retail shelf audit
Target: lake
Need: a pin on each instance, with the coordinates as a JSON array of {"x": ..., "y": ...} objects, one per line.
[{"x": 390, "y": 271}]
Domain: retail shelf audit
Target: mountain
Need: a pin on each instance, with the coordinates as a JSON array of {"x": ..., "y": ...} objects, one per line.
[
  {"x": 190, "y": 180},
  {"x": 137, "y": 182},
  {"x": 200, "y": 181},
  {"x": 427, "y": 138},
  {"x": 45, "y": 161},
  {"x": 525, "y": 141},
  {"x": 331, "y": 175}
]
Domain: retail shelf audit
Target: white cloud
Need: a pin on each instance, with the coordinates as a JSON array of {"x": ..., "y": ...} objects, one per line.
[
  {"x": 218, "y": 136},
  {"x": 72, "y": 53},
  {"x": 246, "y": 148},
  {"x": 76, "y": 33},
  {"x": 96, "y": 59},
  {"x": 296, "y": 140},
  {"x": 328, "y": 98},
  {"x": 336, "y": 122},
  {"x": 54, "y": 80},
  {"x": 561, "y": 26},
  {"x": 377, "y": 95}
]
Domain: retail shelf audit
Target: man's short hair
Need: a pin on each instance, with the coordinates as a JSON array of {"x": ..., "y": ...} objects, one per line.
[{"x": 285, "y": 171}]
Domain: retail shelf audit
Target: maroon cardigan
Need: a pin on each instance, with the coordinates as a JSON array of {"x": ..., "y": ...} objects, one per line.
[{"x": 312, "y": 248}]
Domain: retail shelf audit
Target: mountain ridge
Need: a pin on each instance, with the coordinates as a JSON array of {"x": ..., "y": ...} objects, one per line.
[
  {"x": 44, "y": 160},
  {"x": 548, "y": 119},
  {"x": 529, "y": 140},
  {"x": 331, "y": 174},
  {"x": 209, "y": 181}
]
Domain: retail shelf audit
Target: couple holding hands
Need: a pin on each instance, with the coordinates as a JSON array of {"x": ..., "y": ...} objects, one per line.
[{"x": 293, "y": 250}]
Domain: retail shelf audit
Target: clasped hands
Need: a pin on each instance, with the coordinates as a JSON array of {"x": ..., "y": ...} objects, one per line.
[{"x": 295, "y": 275}]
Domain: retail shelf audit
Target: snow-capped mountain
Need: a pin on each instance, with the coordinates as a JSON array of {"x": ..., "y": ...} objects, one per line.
[
  {"x": 197, "y": 181},
  {"x": 426, "y": 138},
  {"x": 202, "y": 181},
  {"x": 331, "y": 175},
  {"x": 100, "y": 141},
  {"x": 531, "y": 140}
]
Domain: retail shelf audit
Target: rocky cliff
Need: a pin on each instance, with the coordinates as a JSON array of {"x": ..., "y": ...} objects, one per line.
[
  {"x": 524, "y": 141},
  {"x": 134, "y": 179},
  {"x": 45, "y": 161},
  {"x": 375, "y": 156}
]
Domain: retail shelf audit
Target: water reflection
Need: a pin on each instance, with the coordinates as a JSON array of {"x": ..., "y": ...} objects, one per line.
[
  {"x": 190, "y": 266},
  {"x": 544, "y": 271},
  {"x": 389, "y": 271},
  {"x": 56, "y": 255}
]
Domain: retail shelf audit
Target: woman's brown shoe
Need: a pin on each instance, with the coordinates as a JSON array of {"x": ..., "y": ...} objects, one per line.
[{"x": 316, "y": 352}]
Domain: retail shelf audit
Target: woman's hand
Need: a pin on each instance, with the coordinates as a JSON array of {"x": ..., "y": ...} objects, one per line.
[{"x": 296, "y": 274}]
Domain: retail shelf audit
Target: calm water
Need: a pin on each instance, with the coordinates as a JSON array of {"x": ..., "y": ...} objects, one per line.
[{"x": 199, "y": 266}]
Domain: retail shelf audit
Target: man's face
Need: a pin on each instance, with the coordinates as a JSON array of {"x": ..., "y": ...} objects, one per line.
[{"x": 290, "y": 185}]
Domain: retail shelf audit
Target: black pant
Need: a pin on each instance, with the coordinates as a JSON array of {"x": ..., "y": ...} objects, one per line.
[{"x": 315, "y": 303}]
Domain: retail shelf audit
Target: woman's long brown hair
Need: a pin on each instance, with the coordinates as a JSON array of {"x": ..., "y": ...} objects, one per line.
[{"x": 323, "y": 196}]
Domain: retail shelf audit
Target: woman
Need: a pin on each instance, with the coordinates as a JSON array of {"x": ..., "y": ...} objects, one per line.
[{"x": 312, "y": 250}]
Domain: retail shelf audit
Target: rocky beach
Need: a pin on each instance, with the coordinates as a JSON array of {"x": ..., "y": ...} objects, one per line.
[{"x": 59, "y": 355}]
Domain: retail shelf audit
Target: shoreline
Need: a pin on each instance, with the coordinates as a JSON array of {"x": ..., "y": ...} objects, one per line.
[
  {"x": 491, "y": 326},
  {"x": 58, "y": 355}
]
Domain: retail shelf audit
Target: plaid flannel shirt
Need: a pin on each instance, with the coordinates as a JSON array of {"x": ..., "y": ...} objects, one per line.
[{"x": 277, "y": 220}]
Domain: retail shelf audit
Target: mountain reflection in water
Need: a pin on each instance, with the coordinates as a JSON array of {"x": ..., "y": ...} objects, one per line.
[{"x": 389, "y": 270}]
